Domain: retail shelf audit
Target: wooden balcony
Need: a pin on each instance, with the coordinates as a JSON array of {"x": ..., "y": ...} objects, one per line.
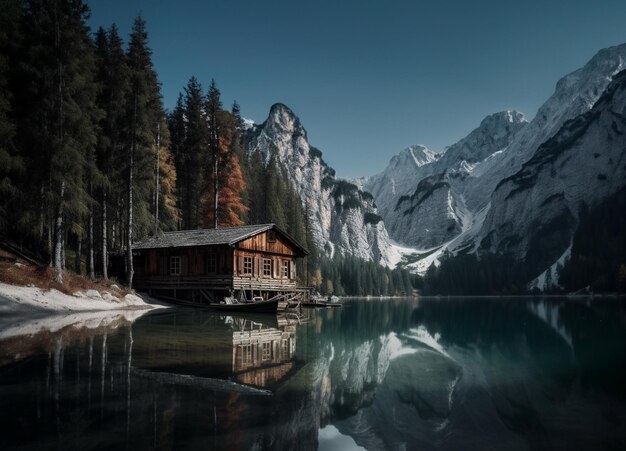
[{"x": 213, "y": 282}]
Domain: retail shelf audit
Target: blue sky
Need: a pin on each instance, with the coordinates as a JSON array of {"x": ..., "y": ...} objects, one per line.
[{"x": 368, "y": 78}]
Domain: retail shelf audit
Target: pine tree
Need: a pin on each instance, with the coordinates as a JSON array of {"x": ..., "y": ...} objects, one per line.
[
  {"x": 144, "y": 113},
  {"x": 213, "y": 107},
  {"x": 193, "y": 155},
  {"x": 60, "y": 123},
  {"x": 113, "y": 78},
  {"x": 231, "y": 207},
  {"x": 11, "y": 164},
  {"x": 177, "y": 129},
  {"x": 167, "y": 214}
]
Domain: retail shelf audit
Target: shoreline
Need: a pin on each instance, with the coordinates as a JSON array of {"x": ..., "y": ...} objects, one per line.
[{"x": 24, "y": 300}]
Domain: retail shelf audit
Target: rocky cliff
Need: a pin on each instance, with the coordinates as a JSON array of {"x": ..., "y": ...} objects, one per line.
[
  {"x": 510, "y": 185},
  {"x": 343, "y": 217},
  {"x": 582, "y": 164}
]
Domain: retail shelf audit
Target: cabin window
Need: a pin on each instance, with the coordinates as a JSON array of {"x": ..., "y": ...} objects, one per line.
[
  {"x": 267, "y": 267},
  {"x": 285, "y": 269},
  {"x": 211, "y": 263},
  {"x": 246, "y": 354},
  {"x": 266, "y": 351},
  {"x": 271, "y": 236},
  {"x": 175, "y": 266},
  {"x": 284, "y": 344},
  {"x": 247, "y": 265}
]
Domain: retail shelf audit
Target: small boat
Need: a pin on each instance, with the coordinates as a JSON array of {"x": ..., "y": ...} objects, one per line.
[
  {"x": 256, "y": 305},
  {"x": 334, "y": 300}
]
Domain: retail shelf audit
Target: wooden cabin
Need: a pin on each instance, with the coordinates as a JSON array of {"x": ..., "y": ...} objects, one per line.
[{"x": 205, "y": 265}]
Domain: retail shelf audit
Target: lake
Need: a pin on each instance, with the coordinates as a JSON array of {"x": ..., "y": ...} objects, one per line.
[{"x": 399, "y": 374}]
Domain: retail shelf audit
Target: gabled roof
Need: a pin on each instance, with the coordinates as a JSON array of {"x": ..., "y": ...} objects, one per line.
[{"x": 211, "y": 237}]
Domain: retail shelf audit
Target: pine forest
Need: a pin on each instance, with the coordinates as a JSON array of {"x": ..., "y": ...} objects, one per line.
[{"x": 91, "y": 161}]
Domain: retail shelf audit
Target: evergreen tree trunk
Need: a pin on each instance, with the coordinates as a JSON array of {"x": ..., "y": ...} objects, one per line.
[
  {"x": 50, "y": 252},
  {"x": 215, "y": 190},
  {"x": 129, "y": 241},
  {"x": 156, "y": 182},
  {"x": 63, "y": 259},
  {"x": 105, "y": 273},
  {"x": 129, "y": 236},
  {"x": 58, "y": 245},
  {"x": 79, "y": 250},
  {"x": 42, "y": 218},
  {"x": 92, "y": 274}
]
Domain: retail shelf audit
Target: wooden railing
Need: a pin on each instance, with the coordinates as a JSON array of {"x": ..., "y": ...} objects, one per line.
[{"x": 213, "y": 282}]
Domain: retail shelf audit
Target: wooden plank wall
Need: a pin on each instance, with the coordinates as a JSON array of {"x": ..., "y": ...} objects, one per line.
[
  {"x": 157, "y": 261},
  {"x": 268, "y": 244},
  {"x": 261, "y": 243}
]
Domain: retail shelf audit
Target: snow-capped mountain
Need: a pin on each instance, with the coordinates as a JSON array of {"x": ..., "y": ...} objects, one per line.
[
  {"x": 468, "y": 198},
  {"x": 574, "y": 95},
  {"x": 424, "y": 205},
  {"x": 400, "y": 176},
  {"x": 583, "y": 163},
  {"x": 343, "y": 217}
]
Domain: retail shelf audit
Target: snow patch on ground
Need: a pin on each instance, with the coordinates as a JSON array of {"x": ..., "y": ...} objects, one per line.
[
  {"x": 400, "y": 250},
  {"x": 18, "y": 299},
  {"x": 550, "y": 277}
]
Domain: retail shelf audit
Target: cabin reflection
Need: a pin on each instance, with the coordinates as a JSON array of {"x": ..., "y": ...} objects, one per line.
[
  {"x": 263, "y": 356},
  {"x": 257, "y": 351}
]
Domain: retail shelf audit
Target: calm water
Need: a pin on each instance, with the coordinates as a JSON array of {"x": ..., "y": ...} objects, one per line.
[{"x": 458, "y": 374}]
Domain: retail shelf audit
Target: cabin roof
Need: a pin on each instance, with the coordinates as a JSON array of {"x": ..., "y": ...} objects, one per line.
[{"x": 211, "y": 237}]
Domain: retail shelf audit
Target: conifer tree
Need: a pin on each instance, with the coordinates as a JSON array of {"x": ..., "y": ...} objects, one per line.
[
  {"x": 167, "y": 214},
  {"x": 177, "y": 129},
  {"x": 113, "y": 78},
  {"x": 213, "y": 107},
  {"x": 60, "y": 123},
  {"x": 144, "y": 113},
  {"x": 231, "y": 207},
  {"x": 11, "y": 164},
  {"x": 193, "y": 154}
]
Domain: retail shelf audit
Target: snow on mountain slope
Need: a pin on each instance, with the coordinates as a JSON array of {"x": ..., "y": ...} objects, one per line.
[
  {"x": 400, "y": 177},
  {"x": 453, "y": 195},
  {"x": 430, "y": 208},
  {"x": 343, "y": 216},
  {"x": 535, "y": 211},
  {"x": 574, "y": 95}
]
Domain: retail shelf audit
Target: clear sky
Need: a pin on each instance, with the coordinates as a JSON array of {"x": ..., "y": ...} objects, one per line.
[{"x": 369, "y": 78}]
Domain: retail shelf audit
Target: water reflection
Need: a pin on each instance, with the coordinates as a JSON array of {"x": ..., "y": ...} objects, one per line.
[
  {"x": 210, "y": 350},
  {"x": 401, "y": 374}
]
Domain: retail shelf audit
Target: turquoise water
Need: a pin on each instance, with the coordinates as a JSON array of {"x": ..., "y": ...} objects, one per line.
[{"x": 449, "y": 374}]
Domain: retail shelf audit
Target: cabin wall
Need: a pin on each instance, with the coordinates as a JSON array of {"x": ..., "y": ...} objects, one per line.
[
  {"x": 267, "y": 246},
  {"x": 265, "y": 262},
  {"x": 193, "y": 261},
  {"x": 267, "y": 242}
]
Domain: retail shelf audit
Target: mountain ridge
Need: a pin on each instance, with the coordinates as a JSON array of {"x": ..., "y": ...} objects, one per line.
[
  {"x": 463, "y": 202},
  {"x": 343, "y": 216}
]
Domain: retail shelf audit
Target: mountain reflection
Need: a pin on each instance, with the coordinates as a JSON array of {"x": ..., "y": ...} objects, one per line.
[
  {"x": 400, "y": 374},
  {"x": 516, "y": 372}
]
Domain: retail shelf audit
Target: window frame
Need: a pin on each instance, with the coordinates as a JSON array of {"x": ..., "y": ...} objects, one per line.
[
  {"x": 267, "y": 270},
  {"x": 175, "y": 265},
  {"x": 211, "y": 259},
  {"x": 248, "y": 265},
  {"x": 285, "y": 269},
  {"x": 266, "y": 351}
]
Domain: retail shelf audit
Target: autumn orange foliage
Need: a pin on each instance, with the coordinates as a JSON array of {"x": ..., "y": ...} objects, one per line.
[{"x": 230, "y": 183}]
